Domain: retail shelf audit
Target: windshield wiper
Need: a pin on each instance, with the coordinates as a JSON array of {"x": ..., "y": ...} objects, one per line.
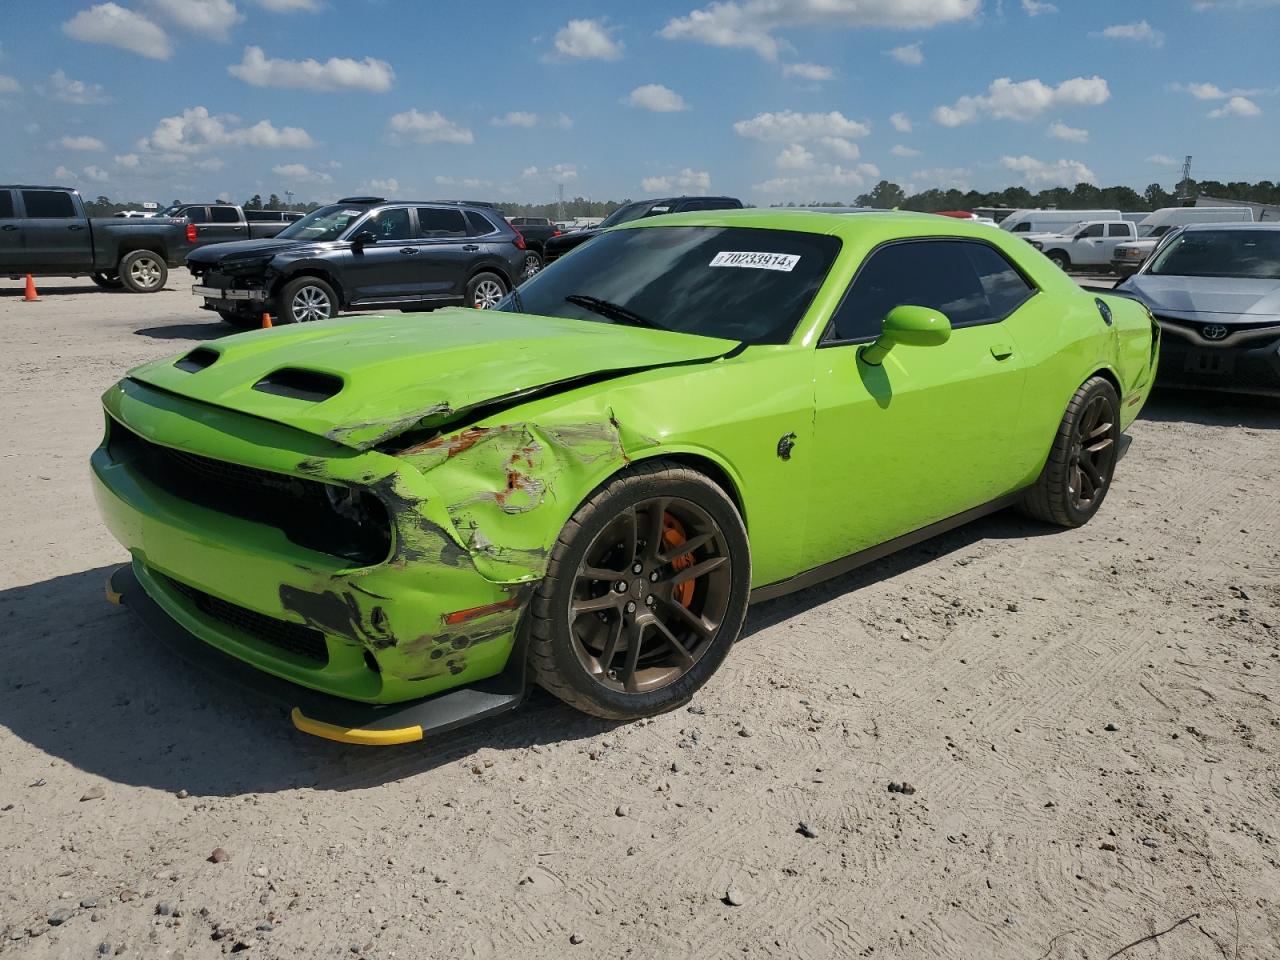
[{"x": 612, "y": 311}]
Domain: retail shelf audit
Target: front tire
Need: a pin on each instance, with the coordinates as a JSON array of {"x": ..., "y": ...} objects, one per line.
[
  {"x": 143, "y": 272},
  {"x": 532, "y": 263},
  {"x": 485, "y": 290},
  {"x": 1082, "y": 460},
  {"x": 307, "y": 300},
  {"x": 645, "y": 592},
  {"x": 1060, "y": 258}
]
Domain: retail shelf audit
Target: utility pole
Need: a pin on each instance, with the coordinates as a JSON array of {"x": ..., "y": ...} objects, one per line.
[
  {"x": 1184, "y": 185},
  {"x": 288, "y": 195},
  {"x": 560, "y": 201}
]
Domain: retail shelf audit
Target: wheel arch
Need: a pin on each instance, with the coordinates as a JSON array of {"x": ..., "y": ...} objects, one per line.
[
  {"x": 710, "y": 466},
  {"x": 151, "y": 246},
  {"x": 312, "y": 270},
  {"x": 501, "y": 272}
]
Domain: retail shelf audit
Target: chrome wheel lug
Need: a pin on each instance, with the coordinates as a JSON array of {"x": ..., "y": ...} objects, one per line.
[
  {"x": 648, "y": 601},
  {"x": 620, "y": 586},
  {"x": 653, "y": 577},
  {"x": 637, "y": 568},
  {"x": 631, "y": 606}
]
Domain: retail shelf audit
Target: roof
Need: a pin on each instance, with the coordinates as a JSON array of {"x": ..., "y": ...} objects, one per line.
[
  {"x": 1269, "y": 226},
  {"x": 35, "y": 186},
  {"x": 806, "y": 221}
]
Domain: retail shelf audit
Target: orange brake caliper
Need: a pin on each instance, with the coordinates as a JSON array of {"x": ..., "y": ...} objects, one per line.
[{"x": 672, "y": 536}]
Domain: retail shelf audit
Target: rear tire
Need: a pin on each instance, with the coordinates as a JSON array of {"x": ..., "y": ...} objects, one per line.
[
  {"x": 306, "y": 300},
  {"x": 1082, "y": 460},
  {"x": 485, "y": 290},
  {"x": 143, "y": 271},
  {"x": 532, "y": 263},
  {"x": 107, "y": 281},
  {"x": 643, "y": 650},
  {"x": 1060, "y": 258}
]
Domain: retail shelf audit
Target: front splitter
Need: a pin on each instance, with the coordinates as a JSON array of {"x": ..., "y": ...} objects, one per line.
[{"x": 323, "y": 715}]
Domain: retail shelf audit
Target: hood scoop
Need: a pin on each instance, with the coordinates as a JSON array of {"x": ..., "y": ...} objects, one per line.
[
  {"x": 310, "y": 385},
  {"x": 197, "y": 360}
]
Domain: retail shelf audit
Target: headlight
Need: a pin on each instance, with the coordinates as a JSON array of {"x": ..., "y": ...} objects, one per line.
[{"x": 248, "y": 265}]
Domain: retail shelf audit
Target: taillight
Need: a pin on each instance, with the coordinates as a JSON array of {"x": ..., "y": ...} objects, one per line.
[
  {"x": 191, "y": 233},
  {"x": 555, "y": 233},
  {"x": 519, "y": 240}
]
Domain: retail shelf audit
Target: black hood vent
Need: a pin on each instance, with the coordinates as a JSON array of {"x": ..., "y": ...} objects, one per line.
[
  {"x": 197, "y": 360},
  {"x": 310, "y": 385}
]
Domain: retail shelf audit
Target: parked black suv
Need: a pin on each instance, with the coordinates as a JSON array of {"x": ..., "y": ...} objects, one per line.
[
  {"x": 558, "y": 246},
  {"x": 363, "y": 252}
]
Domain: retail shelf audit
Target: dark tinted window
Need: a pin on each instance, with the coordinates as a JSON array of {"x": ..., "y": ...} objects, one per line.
[
  {"x": 1119, "y": 230},
  {"x": 196, "y": 214},
  {"x": 1093, "y": 230},
  {"x": 517, "y": 221},
  {"x": 969, "y": 282},
  {"x": 223, "y": 215},
  {"x": 732, "y": 282},
  {"x": 390, "y": 224},
  {"x": 263, "y": 216},
  {"x": 1252, "y": 254},
  {"x": 435, "y": 223},
  {"x": 6, "y": 205},
  {"x": 1023, "y": 227},
  {"x": 48, "y": 204},
  {"x": 480, "y": 224}
]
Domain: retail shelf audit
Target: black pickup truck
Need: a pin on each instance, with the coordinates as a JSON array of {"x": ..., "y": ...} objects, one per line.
[
  {"x": 44, "y": 231},
  {"x": 224, "y": 222}
]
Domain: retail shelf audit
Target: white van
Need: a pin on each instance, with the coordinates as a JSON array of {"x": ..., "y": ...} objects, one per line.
[
  {"x": 1052, "y": 221},
  {"x": 1160, "y": 222}
]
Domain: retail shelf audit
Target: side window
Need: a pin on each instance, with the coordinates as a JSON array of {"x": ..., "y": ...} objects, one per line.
[
  {"x": 196, "y": 214},
  {"x": 1118, "y": 230},
  {"x": 437, "y": 224},
  {"x": 390, "y": 224},
  {"x": 1095, "y": 230},
  {"x": 6, "y": 205},
  {"x": 223, "y": 215},
  {"x": 48, "y": 204},
  {"x": 958, "y": 278},
  {"x": 479, "y": 224},
  {"x": 1023, "y": 227}
]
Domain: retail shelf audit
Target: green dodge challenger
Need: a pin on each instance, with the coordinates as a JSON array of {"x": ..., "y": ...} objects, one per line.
[{"x": 396, "y": 523}]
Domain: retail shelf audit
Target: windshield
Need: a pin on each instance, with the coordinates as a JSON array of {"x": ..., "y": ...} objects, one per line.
[
  {"x": 738, "y": 283},
  {"x": 171, "y": 211},
  {"x": 634, "y": 211},
  {"x": 327, "y": 223},
  {"x": 1247, "y": 254},
  {"x": 1151, "y": 233}
]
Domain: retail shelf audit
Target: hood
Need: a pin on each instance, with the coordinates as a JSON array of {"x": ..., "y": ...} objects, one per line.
[
  {"x": 211, "y": 253},
  {"x": 1226, "y": 298},
  {"x": 567, "y": 241},
  {"x": 364, "y": 380}
]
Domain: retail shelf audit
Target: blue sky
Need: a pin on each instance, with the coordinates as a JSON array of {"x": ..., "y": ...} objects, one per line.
[{"x": 765, "y": 99}]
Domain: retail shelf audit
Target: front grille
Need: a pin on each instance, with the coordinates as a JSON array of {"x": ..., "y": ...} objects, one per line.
[
  {"x": 290, "y": 637},
  {"x": 345, "y": 522}
]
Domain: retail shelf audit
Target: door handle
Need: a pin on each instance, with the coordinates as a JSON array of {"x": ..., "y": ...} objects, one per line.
[
  {"x": 1001, "y": 351},
  {"x": 408, "y": 250},
  {"x": 9, "y": 226},
  {"x": 76, "y": 226},
  {"x": 471, "y": 247}
]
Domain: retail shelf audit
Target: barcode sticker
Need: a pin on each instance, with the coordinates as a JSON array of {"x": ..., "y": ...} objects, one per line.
[{"x": 786, "y": 262}]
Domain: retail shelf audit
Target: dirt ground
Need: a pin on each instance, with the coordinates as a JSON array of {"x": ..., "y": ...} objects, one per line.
[{"x": 1088, "y": 724}]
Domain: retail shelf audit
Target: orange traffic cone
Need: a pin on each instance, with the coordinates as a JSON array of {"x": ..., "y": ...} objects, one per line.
[
  {"x": 30, "y": 296},
  {"x": 266, "y": 321}
]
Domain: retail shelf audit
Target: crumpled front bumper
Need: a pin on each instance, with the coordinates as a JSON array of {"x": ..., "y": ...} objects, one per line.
[{"x": 319, "y": 714}]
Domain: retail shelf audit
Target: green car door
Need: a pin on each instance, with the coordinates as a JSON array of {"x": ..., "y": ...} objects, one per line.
[{"x": 929, "y": 432}]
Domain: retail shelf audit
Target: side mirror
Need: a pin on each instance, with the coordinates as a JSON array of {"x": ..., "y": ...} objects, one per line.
[
  {"x": 363, "y": 237},
  {"x": 912, "y": 326}
]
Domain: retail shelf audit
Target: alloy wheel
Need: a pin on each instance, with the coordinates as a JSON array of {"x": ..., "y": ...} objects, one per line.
[
  {"x": 145, "y": 273},
  {"x": 1093, "y": 453},
  {"x": 487, "y": 294},
  {"x": 650, "y": 595},
  {"x": 532, "y": 264},
  {"x": 310, "y": 304}
]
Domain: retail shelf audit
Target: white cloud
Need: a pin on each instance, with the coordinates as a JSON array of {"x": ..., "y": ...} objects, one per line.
[
  {"x": 1024, "y": 100},
  {"x": 1236, "y": 107},
  {"x": 752, "y": 24},
  {"x": 389, "y": 186},
  {"x": 210, "y": 163},
  {"x": 793, "y": 157},
  {"x": 336, "y": 73},
  {"x": 96, "y": 174},
  {"x": 1036, "y": 172},
  {"x": 1036, "y": 7},
  {"x": 61, "y": 87},
  {"x": 556, "y": 173},
  {"x": 795, "y": 127},
  {"x": 516, "y": 118},
  {"x": 64, "y": 175},
  {"x": 901, "y": 151},
  {"x": 290, "y": 6},
  {"x": 1233, "y": 4},
  {"x": 944, "y": 178},
  {"x": 128, "y": 161},
  {"x": 687, "y": 181},
  {"x": 901, "y": 122},
  {"x": 9, "y": 85},
  {"x": 1162, "y": 159},
  {"x": 300, "y": 173},
  {"x": 563, "y": 122},
  {"x": 81, "y": 143},
  {"x": 656, "y": 97},
  {"x": 1211, "y": 91},
  {"x": 212, "y": 18},
  {"x": 587, "y": 40},
  {"x": 911, "y": 54},
  {"x": 820, "y": 184},
  {"x": 1141, "y": 30},
  {"x": 840, "y": 148},
  {"x": 469, "y": 183},
  {"x": 808, "y": 71},
  {"x": 197, "y": 130},
  {"x": 116, "y": 26},
  {"x": 1060, "y": 131},
  {"x": 430, "y": 127}
]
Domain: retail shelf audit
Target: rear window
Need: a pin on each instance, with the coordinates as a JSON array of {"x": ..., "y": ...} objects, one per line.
[
  {"x": 6, "y": 205},
  {"x": 223, "y": 215},
  {"x": 739, "y": 283},
  {"x": 480, "y": 224},
  {"x": 48, "y": 204},
  {"x": 263, "y": 216},
  {"x": 436, "y": 224},
  {"x": 1247, "y": 254}
]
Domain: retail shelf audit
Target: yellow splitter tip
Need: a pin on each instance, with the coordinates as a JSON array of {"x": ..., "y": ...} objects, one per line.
[{"x": 367, "y": 738}]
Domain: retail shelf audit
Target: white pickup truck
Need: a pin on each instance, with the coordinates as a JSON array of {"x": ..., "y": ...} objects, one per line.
[{"x": 1088, "y": 244}]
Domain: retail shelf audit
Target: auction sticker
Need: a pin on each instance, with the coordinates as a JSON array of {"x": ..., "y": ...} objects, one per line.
[{"x": 786, "y": 262}]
